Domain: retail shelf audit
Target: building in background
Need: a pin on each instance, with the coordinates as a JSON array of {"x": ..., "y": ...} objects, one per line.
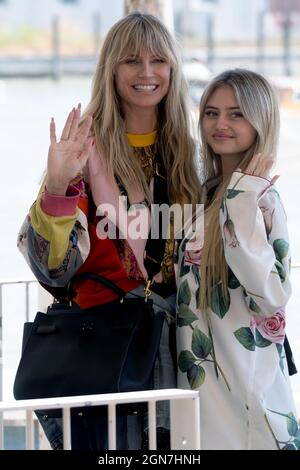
[
  {"x": 38, "y": 14},
  {"x": 233, "y": 19},
  {"x": 261, "y": 34}
]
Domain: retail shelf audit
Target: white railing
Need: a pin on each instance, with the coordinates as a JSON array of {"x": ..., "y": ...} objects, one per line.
[
  {"x": 26, "y": 283},
  {"x": 184, "y": 415},
  {"x": 294, "y": 305}
]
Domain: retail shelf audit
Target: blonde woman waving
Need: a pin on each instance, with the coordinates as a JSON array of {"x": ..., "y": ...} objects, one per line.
[{"x": 132, "y": 143}]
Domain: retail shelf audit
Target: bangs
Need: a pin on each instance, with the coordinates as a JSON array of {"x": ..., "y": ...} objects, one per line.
[{"x": 141, "y": 37}]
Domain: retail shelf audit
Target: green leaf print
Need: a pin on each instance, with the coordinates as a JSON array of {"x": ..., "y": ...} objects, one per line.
[
  {"x": 233, "y": 282},
  {"x": 289, "y": 447},
  {"x": 219, "y": 305},
  {"x": 231, "y": 193},
  {"x": 297, "y": 435},
  {"x": 197, "y": 296},
  {"x": 280, "y": 270},
  {"x": 201, "y": 344},
  {"x": 291, "y": 421},
  {"x": 281, "y": 356},
  {"x": 195, "y": 271},
  {"x": 213, "y": 353},
  {"x": 223, "y": 206},
  {"x": 292, "y": 426},
  {"x": 196, "y": 376},
  {"x": 186, "y": 360},
  {"x": 281, "y": 248},
  {"x": 184, "y": 294},
  {"x": 245, "y": 337},
  {"x": 297, "y": 444},
  {"x": 183, "y": 245},
  {"x": 185, "y": 316},
  {"x": 253, "y": 306},
  {"x": 260, "y": 341},
  {"x": 273, "y": 190},
  {"x": 293, "y": 443},
  {"x": 185, "y": 268}
]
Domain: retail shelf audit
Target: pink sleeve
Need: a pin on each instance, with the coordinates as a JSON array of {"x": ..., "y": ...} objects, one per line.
[{"x": 58, "y": 206}]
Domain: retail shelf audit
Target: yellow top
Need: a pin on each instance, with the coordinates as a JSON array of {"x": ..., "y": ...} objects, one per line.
[{"x": 142, "y": 140}]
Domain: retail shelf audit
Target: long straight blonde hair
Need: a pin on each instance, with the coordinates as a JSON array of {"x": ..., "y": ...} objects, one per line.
[
  {"x": 259, "y": 105},
  {"x": 131, "y": 35}
]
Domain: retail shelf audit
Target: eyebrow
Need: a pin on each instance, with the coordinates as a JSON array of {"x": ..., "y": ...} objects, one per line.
[
  {"x": 138, "y": 55},
  {"x": 214, "y": 107}
]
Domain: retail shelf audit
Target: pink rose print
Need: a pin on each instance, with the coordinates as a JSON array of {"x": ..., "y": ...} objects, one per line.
[
  {"x": 193, "y": 257},
  {"x": 271, "y": 328},
  {"x": 192, "y": 254}
]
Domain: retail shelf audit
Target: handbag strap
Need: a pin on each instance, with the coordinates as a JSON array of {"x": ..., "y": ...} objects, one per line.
[
  {"x": 155, "y": 247},
  {"x": 94, "y": 277}
]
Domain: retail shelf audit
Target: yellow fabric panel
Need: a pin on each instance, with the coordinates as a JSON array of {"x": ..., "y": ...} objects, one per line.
[{"x": 56, "y": 230}]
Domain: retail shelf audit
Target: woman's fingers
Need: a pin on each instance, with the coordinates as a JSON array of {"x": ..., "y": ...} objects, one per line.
[
  {"x": 253, "y": 164},
  {"x": 264, "y": 167},
  {"x": 85, "y": 152},
  {"x": 71, "y": 131},
  {"x": 274, "y": 179},
  {"x": 84, "y": 130},
  {"x": 75, "y": 123},
  {"x": 52, "y": 132},
  {"x": 66, "y": 130},
  {"x": 260, "y": 165},
  {"x": 268, "y": 166}
]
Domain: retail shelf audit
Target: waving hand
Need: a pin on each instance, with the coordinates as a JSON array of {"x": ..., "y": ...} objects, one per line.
[
  {"x": 261, "y": 166},
  {"x": 67, "y": 158}
]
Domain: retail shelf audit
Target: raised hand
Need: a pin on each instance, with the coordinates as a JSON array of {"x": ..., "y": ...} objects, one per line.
[
  {"x": 67, "y": 158},
  {"x": 261, "y": 166}
]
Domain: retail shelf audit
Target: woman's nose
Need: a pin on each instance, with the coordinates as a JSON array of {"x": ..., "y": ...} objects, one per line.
[
  {"x": 222, "y": 123},
  {"x": 146, "y": 69}
]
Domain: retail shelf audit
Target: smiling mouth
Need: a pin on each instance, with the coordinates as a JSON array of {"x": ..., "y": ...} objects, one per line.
[
  {"x": 145, "y": 87},
  {"x": 222, "y": 137}
]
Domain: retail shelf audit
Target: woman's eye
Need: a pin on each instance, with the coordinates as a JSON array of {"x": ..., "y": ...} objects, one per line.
[
  {"x": 159, "y": 60},
  {"x": 211, "y": 113},
  {"x": 237, "y": 115},
  {"x": 131, "y": 61}
]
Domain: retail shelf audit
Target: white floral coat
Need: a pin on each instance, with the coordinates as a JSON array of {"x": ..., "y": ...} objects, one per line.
[{"x": 238, "y": 363}]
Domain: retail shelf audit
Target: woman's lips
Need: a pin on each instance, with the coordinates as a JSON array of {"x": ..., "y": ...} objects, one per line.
[{"x": 222, "y": 137}]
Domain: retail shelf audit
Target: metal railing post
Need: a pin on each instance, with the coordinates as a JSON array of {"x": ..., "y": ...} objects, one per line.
[
  {"x": 1, "y": 372},
  {"x": 185, "y": 433},
  {"x": 112, "y": 439}
]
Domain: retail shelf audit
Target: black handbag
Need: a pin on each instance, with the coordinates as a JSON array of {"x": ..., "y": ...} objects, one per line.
[{"x": 105, "y": 349}]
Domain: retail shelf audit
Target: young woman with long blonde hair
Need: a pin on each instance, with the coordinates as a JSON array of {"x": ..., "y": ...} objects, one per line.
[{"x": 233, "y": 282}]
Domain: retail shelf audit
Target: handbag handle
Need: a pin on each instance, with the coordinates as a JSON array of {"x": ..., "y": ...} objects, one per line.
[{"x": 94, "y": 277}]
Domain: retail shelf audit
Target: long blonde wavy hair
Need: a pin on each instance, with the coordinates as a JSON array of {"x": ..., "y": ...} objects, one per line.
[
  {"x": 259, "y": 105},
  {"x": 131, "y": 35}
]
